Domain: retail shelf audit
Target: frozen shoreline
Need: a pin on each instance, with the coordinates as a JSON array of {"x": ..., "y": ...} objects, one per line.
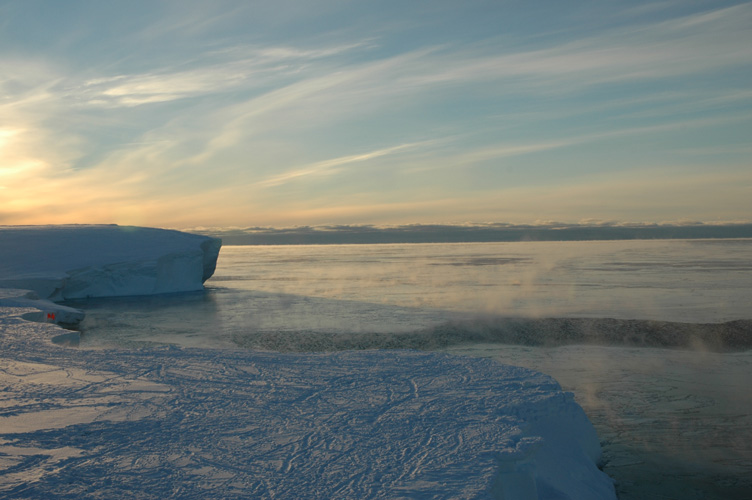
[
  {"x": 673, "y": 423},
  {"x": 196, "y": 422}
]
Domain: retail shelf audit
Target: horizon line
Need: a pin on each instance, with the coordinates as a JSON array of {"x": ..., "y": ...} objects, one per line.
[{"x": 475, "y": 233}]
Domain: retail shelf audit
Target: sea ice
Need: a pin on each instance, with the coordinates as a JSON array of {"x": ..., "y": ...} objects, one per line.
[
  {"x": 42, "y": 310},
  {"x": 198, "y": 423}
]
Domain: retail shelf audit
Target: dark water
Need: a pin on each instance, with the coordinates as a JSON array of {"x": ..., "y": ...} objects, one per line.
[{"x": 651, "y": 336}]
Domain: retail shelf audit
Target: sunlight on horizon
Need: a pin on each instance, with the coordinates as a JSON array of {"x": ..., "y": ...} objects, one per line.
[{"x": 182, "y": 114}]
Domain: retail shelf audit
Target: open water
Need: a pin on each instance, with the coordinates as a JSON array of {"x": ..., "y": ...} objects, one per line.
[{"x": 653, "y": 337}]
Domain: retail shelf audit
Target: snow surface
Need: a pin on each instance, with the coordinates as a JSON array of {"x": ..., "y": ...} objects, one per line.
[
  {"x": 191, "y": 423},
  {"x": 200, "y": 423},
  {"x": 80, "y": 261},
  {"x": 41, "y": 310}
]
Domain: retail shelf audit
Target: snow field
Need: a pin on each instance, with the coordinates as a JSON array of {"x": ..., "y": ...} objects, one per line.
[{"x": 192, "y": 423}]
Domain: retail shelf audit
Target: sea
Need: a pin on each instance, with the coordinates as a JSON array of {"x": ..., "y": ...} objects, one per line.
[{"x": 653, "y": 337}]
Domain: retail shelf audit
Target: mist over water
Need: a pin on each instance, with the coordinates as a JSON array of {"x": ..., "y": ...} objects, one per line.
[
  {"x": 653, "y": 337},
  {"x": 689, "y": 281},
  {"x": 435, "y": 295},
  {"x": 673, "y": 424}
]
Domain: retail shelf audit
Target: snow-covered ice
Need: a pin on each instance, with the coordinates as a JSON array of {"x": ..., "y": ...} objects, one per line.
[
  {"x": 41, "y": 310},
  {"x": 201, "y": 423},
  {"x": 79, "y": 261},
  {"x": 192, "y": 423}
]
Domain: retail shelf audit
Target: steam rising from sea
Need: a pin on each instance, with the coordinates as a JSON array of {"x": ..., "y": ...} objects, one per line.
[
  {"x": 665, "y": 293},
  {"x": 653, "y": 337}
]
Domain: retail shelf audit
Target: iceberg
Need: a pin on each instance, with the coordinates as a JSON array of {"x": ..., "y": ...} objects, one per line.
[{"x": 82, "y": 261}]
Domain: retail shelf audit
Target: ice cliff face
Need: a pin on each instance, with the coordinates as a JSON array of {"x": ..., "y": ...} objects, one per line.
[{"x": 69, "y": 262}]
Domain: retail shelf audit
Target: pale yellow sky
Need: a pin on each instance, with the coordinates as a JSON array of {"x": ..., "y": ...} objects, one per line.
[{"x": 180, "y": 114}]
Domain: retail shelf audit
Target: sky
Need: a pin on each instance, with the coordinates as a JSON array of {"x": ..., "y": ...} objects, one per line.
[{"x": 288, "y": 113}]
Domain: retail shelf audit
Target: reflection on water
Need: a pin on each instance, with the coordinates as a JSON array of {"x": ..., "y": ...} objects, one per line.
[
  {"x": 226, "y": 318},
  {"x": 187, "y": 319},
  {"x": 672, "y": 280}
]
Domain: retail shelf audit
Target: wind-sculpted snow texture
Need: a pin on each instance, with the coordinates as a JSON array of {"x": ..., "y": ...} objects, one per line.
[
  {"x": 68, "y": 262},
  {"x": 182, "y": 423}
]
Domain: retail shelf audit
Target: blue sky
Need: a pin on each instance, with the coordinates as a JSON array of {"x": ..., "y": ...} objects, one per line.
[{"x": 244, "y": 113}]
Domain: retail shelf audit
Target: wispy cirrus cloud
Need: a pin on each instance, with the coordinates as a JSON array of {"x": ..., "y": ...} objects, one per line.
[
  {"x": 334, "y": 165},
  {"x": 688, "y": 45},
  {"x": 237, "y": 68},
  {"x": 512, "y": 149},
  {"x": 694, "y": 44},
  {"x": 287, "y": 74},
  {"x": 135, "y": 90},
  {"x": 256, "y": 114}
]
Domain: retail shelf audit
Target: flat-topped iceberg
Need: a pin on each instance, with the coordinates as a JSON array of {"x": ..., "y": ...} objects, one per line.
[{"x": 80, "y": 261}]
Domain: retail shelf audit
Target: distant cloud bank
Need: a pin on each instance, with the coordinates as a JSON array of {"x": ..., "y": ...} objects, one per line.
[{"x": 500, "y": 232}]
